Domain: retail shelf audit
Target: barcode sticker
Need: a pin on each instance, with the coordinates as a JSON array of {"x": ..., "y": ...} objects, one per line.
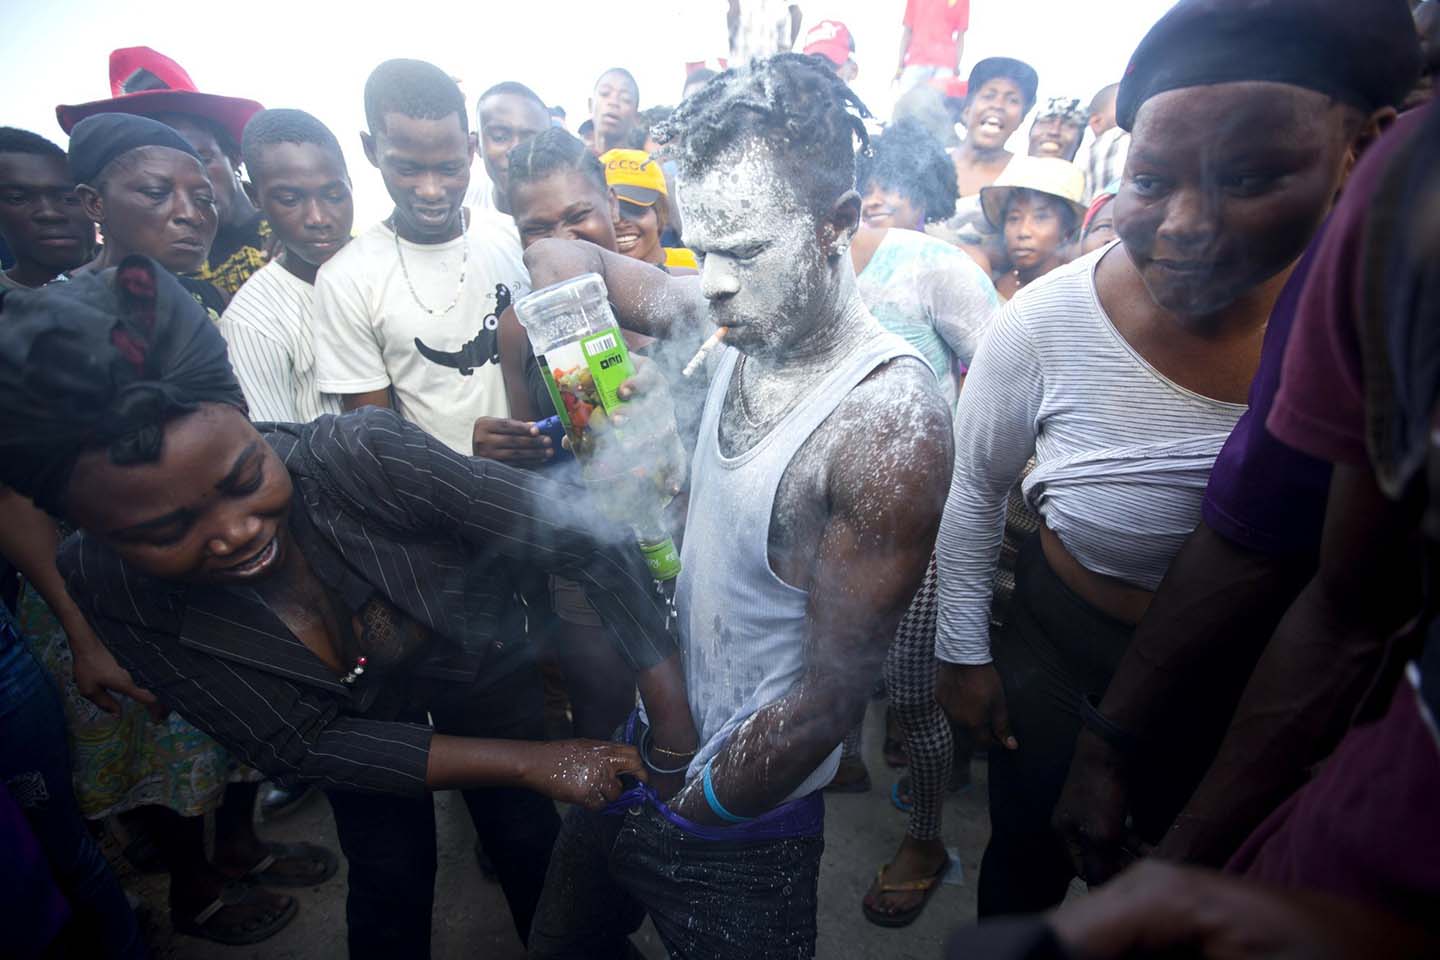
[{"x": 600, "y": 344}]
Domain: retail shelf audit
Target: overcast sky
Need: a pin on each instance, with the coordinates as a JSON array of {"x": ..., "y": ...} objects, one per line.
[{"x": 316, "y": 55}]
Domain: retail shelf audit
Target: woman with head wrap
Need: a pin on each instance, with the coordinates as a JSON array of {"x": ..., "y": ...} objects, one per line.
[
  {"x": 142, "y": 181},
  {"x": 147, "y": 189},
  {"x": 306, "y": 593},
  {"x": 1123, "y": 373},
  {"x": 1058, "y": 128}
]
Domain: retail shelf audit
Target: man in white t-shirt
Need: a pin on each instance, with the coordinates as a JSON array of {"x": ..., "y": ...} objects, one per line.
[{"x": 407, "y": 314}]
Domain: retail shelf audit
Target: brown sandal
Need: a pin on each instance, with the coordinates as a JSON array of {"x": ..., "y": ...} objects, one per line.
[
  {"x": 207, "y": 925},
  {"x": 926, "y": 885}
]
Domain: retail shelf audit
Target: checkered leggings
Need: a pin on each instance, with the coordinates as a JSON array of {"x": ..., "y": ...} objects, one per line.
[
  {"x": 910, "y": 681},
  {"x": 910, "y": 668}
]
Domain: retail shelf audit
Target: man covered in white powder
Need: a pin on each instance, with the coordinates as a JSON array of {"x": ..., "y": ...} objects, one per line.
[{"x": 818, "y": 480}]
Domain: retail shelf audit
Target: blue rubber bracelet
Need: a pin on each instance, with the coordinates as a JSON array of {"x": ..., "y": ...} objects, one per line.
[{"x": 716, "y": 807}]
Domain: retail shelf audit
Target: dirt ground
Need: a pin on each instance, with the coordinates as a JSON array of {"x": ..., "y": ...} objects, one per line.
[{"x": 861, "y": 832}]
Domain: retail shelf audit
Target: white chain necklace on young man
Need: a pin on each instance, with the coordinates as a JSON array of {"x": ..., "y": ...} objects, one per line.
[{"x": 464, "y": 258}]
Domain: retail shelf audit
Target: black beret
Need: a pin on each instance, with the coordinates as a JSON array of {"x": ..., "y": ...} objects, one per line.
[
  {"x": 1361, "y": 52},
  {"x": 1021, "y": 72},
  {"x": 97, "y": 140}
]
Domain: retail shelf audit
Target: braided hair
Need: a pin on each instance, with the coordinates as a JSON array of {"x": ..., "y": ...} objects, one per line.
[
  {"x": 909, "y": 160},
  {"x": 553, "y": 150},
  {"x": 794, "y": 103}
]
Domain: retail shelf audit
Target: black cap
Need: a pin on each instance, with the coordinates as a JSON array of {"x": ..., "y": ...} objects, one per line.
[
  {"x": 1361, "y": 52},
  {"x": 97, "y": 140},
  {"x": 1021, "y": 72}
]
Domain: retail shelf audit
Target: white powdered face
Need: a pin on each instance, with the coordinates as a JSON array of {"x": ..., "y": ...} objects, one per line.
[
  {"x": 789, "y": 299},
  {"x": 763, "y": 266}
]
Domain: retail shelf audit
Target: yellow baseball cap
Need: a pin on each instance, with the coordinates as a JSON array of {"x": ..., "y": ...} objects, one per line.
[{"x": 635, "y": 176}]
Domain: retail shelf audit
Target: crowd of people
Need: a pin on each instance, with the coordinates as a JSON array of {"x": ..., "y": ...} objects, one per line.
[{"x": 1112, "y": 463}]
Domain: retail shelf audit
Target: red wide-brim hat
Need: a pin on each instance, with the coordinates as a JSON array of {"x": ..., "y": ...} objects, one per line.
[{"x": 146, "y": 82}]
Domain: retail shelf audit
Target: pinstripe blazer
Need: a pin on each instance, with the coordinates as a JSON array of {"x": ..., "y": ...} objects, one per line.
[{"x": 380, "y": 509}]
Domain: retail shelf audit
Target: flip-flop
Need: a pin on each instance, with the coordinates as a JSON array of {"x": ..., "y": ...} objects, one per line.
[
  {"x": 234, "y": 894},
  {"x": 262, "y": 873},
  {"x": 926, "y": 885}
]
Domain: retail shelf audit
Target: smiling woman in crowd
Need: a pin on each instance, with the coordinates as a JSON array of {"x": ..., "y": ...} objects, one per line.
[
  {"x": 642, "y": 211},
  {"x": 269, "y": 586},
  {"x": 145, "y": 185},
  {"x": 1058, "y": 129}
]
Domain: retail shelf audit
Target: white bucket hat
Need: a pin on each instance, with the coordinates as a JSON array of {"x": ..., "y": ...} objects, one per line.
[{"x": 1058, "y": 178}]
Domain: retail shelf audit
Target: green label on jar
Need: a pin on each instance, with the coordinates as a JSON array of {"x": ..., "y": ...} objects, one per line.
[
  {"x": 662, "y": 558},
  {"x": 610, "y": 365}
]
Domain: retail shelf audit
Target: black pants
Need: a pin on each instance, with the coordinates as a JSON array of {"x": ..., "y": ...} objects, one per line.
[
  {"x": 709, "y": 900},
  {"x": 1055, "y": 648},
  {"x": 389, "y": 842}
]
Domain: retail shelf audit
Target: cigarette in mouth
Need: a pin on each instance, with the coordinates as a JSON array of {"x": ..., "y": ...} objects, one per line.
[{"x": 704, "y": 351}]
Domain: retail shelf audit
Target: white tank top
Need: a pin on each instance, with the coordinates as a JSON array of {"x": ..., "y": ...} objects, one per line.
[{"x": 742, "y": 629}]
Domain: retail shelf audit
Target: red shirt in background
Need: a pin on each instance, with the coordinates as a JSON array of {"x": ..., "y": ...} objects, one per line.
[{"x": 934, "y": 25}]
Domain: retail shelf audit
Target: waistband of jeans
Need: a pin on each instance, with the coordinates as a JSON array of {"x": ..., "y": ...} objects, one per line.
[{"x": 795, "y": 819}]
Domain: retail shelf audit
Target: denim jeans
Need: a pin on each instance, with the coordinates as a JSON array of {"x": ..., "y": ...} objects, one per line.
[
  {"x": 389, "y": 841},
  {"x": 35, "y": 766},
  {"x": 709, "y": 899}
]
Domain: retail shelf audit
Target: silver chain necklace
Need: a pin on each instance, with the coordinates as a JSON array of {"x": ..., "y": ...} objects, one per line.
[{"x": 464, "y": 259}]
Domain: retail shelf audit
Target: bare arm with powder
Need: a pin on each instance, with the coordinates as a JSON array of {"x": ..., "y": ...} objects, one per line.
[
  {"x": 646, "y": 299},
  {"x": 888, "y": 451}
]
